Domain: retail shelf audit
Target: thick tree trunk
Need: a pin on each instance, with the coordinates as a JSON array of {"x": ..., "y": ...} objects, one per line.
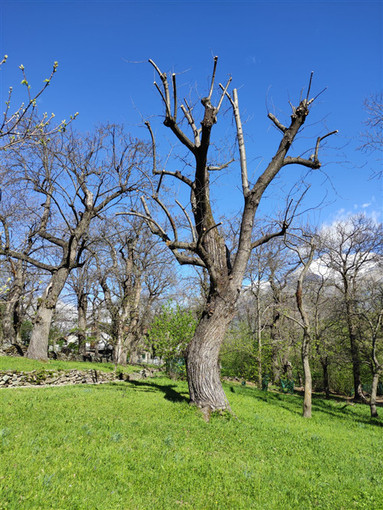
[
  {"x": 120, "y": 354},
  {"x": 121, "y": 348},
  {"x": 82, "y": 323},
  {"x": 203, "y": 370},
  {"x": 38, "y": 346}
]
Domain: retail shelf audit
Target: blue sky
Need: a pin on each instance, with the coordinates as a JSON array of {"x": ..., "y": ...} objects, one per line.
[{"x": 269, "y": 48}]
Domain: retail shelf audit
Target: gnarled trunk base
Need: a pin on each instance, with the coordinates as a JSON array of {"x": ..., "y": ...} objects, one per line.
[{"x": 202, "y": 365}]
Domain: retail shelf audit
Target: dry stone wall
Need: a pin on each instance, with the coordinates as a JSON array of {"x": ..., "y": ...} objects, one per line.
[{"x": 13, "y": 378}]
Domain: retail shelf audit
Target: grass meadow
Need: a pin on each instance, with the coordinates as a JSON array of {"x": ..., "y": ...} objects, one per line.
[{"x": 140, "y": 445}]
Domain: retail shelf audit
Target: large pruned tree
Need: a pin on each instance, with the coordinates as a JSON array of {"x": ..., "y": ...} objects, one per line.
[
  {"x": 207, "y": 246},
  {"x": 78, "y": 180}
]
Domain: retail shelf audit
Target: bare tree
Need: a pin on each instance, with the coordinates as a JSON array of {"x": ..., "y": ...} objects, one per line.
[
  {"x": 305, "y": 255},
  {"x": 79, "y": 179},
  {"x": 370, "y": 311},
  {"x": 207, "y": 245},
  {"x": 349, "y": 249},
  {"x": 132, "y": 273}
]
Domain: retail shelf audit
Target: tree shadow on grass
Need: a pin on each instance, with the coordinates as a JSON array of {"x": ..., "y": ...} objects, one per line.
[
  {"x": 168, "y": 389},
  {"x": 293, "y": 403}
]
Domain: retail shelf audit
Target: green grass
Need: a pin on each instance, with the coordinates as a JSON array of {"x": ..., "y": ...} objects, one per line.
[
  {"x": 141, "y": 446},
  {"x": 27, "y": 365}
]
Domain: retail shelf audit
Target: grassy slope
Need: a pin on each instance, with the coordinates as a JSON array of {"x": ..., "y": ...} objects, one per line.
[
  {"x": 141, "y": 446},
  {"x": 27, "y": 365}
]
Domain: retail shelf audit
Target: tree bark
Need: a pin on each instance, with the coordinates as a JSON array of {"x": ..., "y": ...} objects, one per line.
[
  {"x": 82, "y": 322},
  {"x": 374, "y": 391},
  {"x": 38, "y": 346},
  {"x": 307, "y": 399},
  {"x": 203, "y": 370},
  {"x": 326, "y": 381}
]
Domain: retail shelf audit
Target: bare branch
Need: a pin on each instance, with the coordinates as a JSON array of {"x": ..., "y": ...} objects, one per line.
[
  {"x": 291, "y": 318},
  {"x": 164, "y": 79},
  {"x": 213, "y": 78},
  {"x": 154, "y": 150},
  {"x": 224, "y": 91},
  {"x": 220, "y": 167},
  {"x": 313, "y": 162},
  {"x": 190, "y": 119},
  {"x": 277, "y": 123},
  {"x": 241, "y": 144},
  {"x": 174, "y": 96},
  {"x": 162, "y": 95},
  {"x": 154, "y": 227},
  {"x": 169, "y": 216},
  {"x": 192, "y": 229},
  {"x": 205, "y": 232},
  {"x": 309, "y": 87},
  {"x": 267, "y": 237}
]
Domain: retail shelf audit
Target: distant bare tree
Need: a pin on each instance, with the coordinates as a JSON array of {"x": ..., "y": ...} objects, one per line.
[
  {"x": 133, "y": 273},
  {"x": 305, "y": 250},
  {"x": 349, "y": 249},
  {"x": 370, "y": 312},
  {"x": 78, "y": 179}
]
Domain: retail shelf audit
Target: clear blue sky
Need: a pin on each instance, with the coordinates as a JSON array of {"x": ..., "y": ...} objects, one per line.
[{"x": 269, "y": 48}]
